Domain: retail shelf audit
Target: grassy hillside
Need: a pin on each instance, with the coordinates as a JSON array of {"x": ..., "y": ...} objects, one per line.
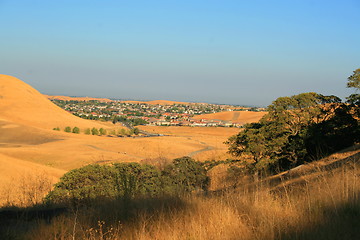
[
  {"x": 234, "y": 116},
  {"x": 325, "y": 204},
  {"x": 22, "y": 104}
]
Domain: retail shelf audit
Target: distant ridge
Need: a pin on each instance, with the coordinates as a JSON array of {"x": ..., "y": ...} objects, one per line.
[
  {"x": 153, "y": 102},
  {"x": 67, "y": 98},
  {"x": 159, "y": 102}
]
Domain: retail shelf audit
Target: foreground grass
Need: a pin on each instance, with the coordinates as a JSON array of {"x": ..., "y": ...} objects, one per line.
[{"x": 326, "y": 206}]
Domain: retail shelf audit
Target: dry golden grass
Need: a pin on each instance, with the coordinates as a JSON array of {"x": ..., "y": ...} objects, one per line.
[
  {"x": 27, "y": 140},
  {"x": 25, "y": 183},
  {"x": 210, "y": 140},
  {"x": 326, "y": 207},
  {"x": 22, "y": 104},
  {"x": 234, "y": 116},
  {"x": 65, "y": 151}
]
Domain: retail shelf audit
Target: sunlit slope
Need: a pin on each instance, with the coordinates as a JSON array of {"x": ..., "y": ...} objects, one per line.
[
  {"x": 22, "y": 104},
  {"x": 12, "y": 134},
  {"x": 16, "y": 174},
  {"x": 234, "y": 116}
]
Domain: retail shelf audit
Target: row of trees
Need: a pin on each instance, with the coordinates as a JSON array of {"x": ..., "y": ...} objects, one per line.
[
  {"x": 101, "y": 131},
  {"x": 128, "y": 181},
  {"x": 299, "y": 128}
]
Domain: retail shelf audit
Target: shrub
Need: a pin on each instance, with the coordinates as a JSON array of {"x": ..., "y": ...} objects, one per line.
[
  {"x": 76, "y": 130},
  {"x": 134, "y": 179},
  {"x": 128, "y": 181},
  {"x": 89, "y": 182},
  {"x": 121, "y": 180},
  {"x": 102, "y": 131},
  {"x": 136, "y": 131},
  {"x": 67, "y": 129},
  {"x": 87, "y": 131},
  {"x": 185, "y": 175},
  {"x": 94, "y": 131},
  {"x": 122, "y": 131},
  {"x": 56, "y": 129}
]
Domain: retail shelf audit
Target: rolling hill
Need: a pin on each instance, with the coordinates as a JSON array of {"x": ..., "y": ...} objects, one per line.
[{"x": 22, "y": 104}]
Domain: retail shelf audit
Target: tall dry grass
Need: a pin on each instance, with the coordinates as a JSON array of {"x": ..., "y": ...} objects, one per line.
[
  {"x": 26, "y": 190},
  {"x": 323, "y": 206}
]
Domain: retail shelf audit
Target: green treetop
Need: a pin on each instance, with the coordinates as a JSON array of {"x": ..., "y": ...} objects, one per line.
[{"x": 354, "y": 80}]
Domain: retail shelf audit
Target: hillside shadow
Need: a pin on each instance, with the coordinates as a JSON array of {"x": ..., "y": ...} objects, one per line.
[{"x": 17, "y": 223}]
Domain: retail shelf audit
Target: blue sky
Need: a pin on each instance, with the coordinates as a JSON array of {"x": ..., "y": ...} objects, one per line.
[{"x": 238, "y": 52}]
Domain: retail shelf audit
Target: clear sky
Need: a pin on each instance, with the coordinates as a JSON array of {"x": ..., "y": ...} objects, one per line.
[{"x": 220, "y": 51}]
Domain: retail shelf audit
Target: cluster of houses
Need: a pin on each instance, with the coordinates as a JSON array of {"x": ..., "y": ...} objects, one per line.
[
  {"x": 150, "y": 114},
  {"x": 186, "y": 120}
]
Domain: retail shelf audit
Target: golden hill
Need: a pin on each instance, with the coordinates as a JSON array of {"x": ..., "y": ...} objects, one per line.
[
  {"x": 234, "y": 116},
  {"x": 28, "y": 145},
  {"x": 22, "y": 104},
  {"x": 85, "y": 99}
]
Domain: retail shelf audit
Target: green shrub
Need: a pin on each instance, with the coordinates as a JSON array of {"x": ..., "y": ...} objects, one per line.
[
  {"x": 94, "y": 131},
  {"x": 67, "y": 129},
  {"x": 128, "y": 181},
  {"x": 102, "y": 131},
  {"x": 87, "y": 131},
  {"x": 185, "y": 175},
  {"x": 134, "y": 180},
  {"x": 122, "y": 131},
  {"x": 86, "y": 183},
  {"x": 136, "y": 131},
  {"x": 76, "y": 130},
  {"x": 56, "y": 129}
]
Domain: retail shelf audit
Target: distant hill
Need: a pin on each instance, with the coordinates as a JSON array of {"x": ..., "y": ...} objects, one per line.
[
  {"x": 158, "y": 102},
  {"x": 22, "y": 104},
  {"x": 153, "y": 102},
  {"x": 66, "y": 98},
  {"x": 234, "y": 116}
]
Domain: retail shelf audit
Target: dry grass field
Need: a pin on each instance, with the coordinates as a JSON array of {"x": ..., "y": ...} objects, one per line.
[
  {"x": 26, "y": 136},
  {"x": 241, "y": 117},
  {"x": 325, "y": 206},
  {"x": 317, "y": 201},
  {"x": 210, "y": 140}
]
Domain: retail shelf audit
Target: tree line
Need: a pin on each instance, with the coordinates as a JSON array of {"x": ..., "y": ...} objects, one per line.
[{"x": 100, "y": 131}]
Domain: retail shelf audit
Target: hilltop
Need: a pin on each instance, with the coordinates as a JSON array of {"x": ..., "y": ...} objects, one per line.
[{"x": 22, "y": 104}]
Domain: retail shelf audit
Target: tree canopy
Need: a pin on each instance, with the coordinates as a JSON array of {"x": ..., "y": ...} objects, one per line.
[
  {"x": 354, "y": 80},
  {"x": 296, "y": 129}
]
